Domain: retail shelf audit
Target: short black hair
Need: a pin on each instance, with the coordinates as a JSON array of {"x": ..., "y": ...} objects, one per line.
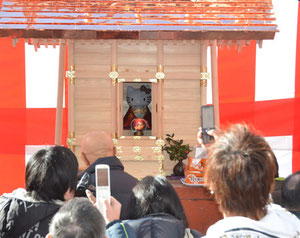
[
  {"x": 77, "y": 218},
  {"x": 156, "y": 195},
  {"x": 290, "y": 192},
  {"x": 51, "y": 172}
]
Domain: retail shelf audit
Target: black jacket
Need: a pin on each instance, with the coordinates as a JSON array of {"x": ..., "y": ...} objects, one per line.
[
  {"x": 121, "y": 183},
  {"x": 20, "y": 215},
  {"x": 159, "y": 225}
]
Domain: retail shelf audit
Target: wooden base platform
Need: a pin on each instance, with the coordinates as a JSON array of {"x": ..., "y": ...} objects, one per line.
[{"x": 200, "y": 207}]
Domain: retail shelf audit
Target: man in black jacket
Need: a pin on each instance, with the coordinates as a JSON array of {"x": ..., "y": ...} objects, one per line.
[
  {"x": 97, "y": 148},
  {"x": 51, "y": 176}
]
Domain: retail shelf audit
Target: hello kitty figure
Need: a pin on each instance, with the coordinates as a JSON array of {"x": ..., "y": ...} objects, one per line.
[{"x": 138, "y": 100}]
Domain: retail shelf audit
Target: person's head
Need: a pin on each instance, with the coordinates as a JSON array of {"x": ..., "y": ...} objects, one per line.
[
  {"x": 51, "y": 174},
  {"x": 95, "y": 145},
  {"x": 77, "y": 218},
  {"x": 156, "y": 195},
  {"x": 290, "y": 192},
  {"x": 240, "y": 171}
]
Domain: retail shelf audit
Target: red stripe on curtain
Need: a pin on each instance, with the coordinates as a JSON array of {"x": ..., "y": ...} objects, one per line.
[
  {"x": 12, "y": 74},
  {"x": 40, "y": 126},
  {"x": 296, "y": 138},
  {"x": 275, "y": 117},
  {"x": 12, "y": 115},
  {"x": 236, "y": 74}
]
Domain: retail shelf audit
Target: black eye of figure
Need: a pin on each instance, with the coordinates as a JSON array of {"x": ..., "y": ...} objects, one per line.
[
  {"x": 131, "y": 99},
  {"x": 144, "y": 99}
]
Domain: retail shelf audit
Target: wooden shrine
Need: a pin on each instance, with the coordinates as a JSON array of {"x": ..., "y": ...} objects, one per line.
[{"x": 114, "y": 45}]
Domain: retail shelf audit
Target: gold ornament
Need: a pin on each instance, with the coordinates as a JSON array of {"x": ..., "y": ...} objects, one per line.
[
  {"x": 115, "y": 141},
  {"x": 139, "y": 157},
  {"x": 205, "y": 75},
  {"x": 70, "y": 74},
  {"x": 136, "y": 149},
  {"x": 153, "y": 80},
  {"x": 160, "y": 75},
  {"x": 160, "y": 142},
  {"x": 113, "y": 74},
  {"x": 119, "y": 149},
  {"x": 121, "y": 80},
  {"x": 139, "y": 110},
  {"x": 156, "y": 150},
  {"x": 71, "y": 141},
  {"x": 160, "y": 160},
  {"x": 203, "y": 83}
]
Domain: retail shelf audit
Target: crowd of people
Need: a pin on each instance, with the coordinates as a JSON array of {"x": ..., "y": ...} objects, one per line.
[{"x": 240, "y": 172}]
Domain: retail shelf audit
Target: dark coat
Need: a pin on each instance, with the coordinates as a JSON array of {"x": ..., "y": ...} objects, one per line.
[
  {"x": 20, "y": 215},
  {"x": 159, "y": 225},
  {"x": 121, "y": 183}
]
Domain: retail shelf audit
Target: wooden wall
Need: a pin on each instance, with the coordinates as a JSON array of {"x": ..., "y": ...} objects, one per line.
[
  {"x": 137, "y": 59},
  {"x": 182, "y": 95}
]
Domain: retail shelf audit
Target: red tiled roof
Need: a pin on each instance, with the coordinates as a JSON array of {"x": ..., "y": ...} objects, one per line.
[{"x": 138, "y": 19}]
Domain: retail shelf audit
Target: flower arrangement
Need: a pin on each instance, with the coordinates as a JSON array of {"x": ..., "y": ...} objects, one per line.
[{"x": 175, "y": 148}]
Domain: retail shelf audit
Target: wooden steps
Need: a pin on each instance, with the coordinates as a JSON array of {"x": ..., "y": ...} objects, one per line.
[{"x": 141, "y": 156}]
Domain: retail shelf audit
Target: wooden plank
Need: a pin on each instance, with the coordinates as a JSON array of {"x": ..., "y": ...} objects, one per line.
[
  {"x": 181, "y": 106},
  {"x": 93, "y": 116},
  {"x": 88, "y": 47},
  {"x": 215, "y": 87},
  {"x": 137, "y": 59},
  {"x": 136, "y": 47},
  {"x": 60, "y": 91},
  {"x": 159, "y": 101},
  {"x": 83, "y": 128},
  {"x": 113, "y": 87},
  {"x": 97, "y": 89},
  {"x": 92, "y": 59},
  {"x": 181, "y": 84},
  {"x": 186, "y": 60},
  {"x": 141, "y": 168},
  {"x": 184, "y": 94},
  {"x": 179, "y": 48},
  {"x": 181, "y": 69},
  {"x": 71, "y": 91},
  {"x": 92, "y": 105},
  {"x": 141, "y": 69},
  {"x": 203, "y": 66}
]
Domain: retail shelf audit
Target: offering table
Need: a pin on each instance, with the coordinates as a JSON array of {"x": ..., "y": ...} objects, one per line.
[{"x": 199, "y": 205}]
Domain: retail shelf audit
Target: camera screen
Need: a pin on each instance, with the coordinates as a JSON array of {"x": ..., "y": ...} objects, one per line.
[
  {"x": 102, "y": 177},
  {"x": 208, "y": 117}
]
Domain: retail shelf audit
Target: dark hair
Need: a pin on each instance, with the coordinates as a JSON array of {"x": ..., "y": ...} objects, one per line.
[
  {"x": 290, "y": 192},
  {"x": 276, "y": 166},
  {"x": 51, "y": 172},
  {"x": 77, "y": 218},
  {"x": 156, "y": 195},
  {"x": 240, "y": 171}
]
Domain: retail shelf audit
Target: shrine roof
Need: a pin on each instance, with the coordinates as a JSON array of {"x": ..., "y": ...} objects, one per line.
[{"x": 138, "y": 19}]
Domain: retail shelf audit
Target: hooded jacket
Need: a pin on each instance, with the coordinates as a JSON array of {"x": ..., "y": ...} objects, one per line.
[
  {"x": 22, "y": 216},
  {"x": 121, "y": 183},
  {"x": 277, "y": 223},
  {"x": 158, "y": 225}
]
